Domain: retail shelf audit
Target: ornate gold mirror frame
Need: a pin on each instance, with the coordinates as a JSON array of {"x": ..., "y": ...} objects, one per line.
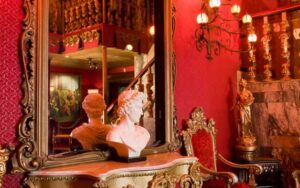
[{"x": 32, "y": 151}]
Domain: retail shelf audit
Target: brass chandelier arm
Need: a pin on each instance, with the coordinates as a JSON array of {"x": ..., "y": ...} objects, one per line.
[{"x": 202, "y": 41}]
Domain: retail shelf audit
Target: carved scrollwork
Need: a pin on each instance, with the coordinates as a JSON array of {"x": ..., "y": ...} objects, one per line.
[
  {"x": 4, "y": 155},
  {"x": 24, "y": 158},
  {"x": 177, "y": 143},
  {"x": 163, "y": 180},
  {"x": 100, "y": 184},
  {"x": 197, "y": 122},
  {"x": 128, "y": 186},
  {"x": 193, "y": 179},
  {"x": 33, "y": 182}
]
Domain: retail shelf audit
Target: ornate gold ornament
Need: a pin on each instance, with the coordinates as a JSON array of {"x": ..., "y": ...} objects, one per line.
[
  {"x": 128, "y": 186},
  {"x": 266, "y": 39},
  {"x": 245, "y": 99},
  {"x": 164, "y": 180},
  {"x": 33, "y": 182},
  {"x": 4, "y": 156},
  {"x": 285, "y": 46},
  {"x": 252, "y": 56},
  {"x": 87, "y": 36},
  {"x": 198, "y": 122},
  {"x": 100, "y": 184},
  {"x": 25, "y": 156},
  {"x": 193, "y": 179}
]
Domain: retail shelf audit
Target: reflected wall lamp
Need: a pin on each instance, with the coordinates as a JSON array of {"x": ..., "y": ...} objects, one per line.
[{"x": 211, "y": 23}]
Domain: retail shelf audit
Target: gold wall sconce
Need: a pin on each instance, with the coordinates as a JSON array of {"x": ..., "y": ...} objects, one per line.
[{"x": 211, "y": 23}]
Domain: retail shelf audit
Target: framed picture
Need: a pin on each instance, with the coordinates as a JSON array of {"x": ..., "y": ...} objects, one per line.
[{"x": 65, "y": 97}]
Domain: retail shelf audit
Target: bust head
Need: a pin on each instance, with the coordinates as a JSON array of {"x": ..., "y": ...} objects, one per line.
[
  {"x": 130, "y": 104},
  {"x": 94, "y": 105}
]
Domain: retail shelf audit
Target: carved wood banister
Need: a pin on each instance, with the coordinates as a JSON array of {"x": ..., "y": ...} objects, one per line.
[{"x": 133, "y": 82}]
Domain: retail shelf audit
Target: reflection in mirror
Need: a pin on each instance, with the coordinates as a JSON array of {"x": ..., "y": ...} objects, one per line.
[
  {"x": 32, "y": 151},
  {"x": 97, "y": 46}
]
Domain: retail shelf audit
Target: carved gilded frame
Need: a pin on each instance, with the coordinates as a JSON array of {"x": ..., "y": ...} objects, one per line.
[{"x": 31, "y": 152}]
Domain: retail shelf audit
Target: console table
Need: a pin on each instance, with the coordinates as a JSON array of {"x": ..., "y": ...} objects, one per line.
[{"x": 159, "y": 169}]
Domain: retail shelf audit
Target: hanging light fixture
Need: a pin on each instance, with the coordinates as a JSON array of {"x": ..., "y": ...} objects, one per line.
[
  {"x": 247, "y": 19},
  {"x": 210, "y": 21}
]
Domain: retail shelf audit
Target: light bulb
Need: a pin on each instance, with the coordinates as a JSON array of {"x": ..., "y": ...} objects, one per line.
[
  {"x": 252, "y": 37},
  {"x": 152, "y": 30},
  {"x": 129, "y": 47},
  {"x": 215, "y": 3},
  {"x": 235, "y": 9},
  {"x": 247, "y": 19},
  {"x": 202, "y": 18}
]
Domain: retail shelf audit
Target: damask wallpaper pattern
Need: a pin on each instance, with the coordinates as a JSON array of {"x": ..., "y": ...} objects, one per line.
[{"x": 11, "y": 15}]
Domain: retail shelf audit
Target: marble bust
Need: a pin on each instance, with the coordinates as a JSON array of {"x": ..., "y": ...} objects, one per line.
[
  {"x": 127, "y": 131},
  {"x": 94, "y": 132}
]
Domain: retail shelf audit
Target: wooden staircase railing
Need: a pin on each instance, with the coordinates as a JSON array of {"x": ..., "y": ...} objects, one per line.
[{"x": 140, "y": 86}]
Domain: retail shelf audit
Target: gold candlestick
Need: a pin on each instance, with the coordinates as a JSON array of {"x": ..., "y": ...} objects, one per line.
[
  {"x": 267, "y": 49},
  {"x": 284, "y": 39}
]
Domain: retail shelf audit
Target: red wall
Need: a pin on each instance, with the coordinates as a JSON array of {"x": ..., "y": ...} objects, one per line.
[
  {"x": 199, "y": 82},
  {"x": 10, "y": 94}
]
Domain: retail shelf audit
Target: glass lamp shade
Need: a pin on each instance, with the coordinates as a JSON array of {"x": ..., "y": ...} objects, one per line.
[
  {"x": 152, "y": 30},
  {"x": 252, "y": 37},
  {"x": 235, "y": 9},
  {"x": 214, "y": 3},
  {"x": 202, "y": 18},
  {"x": 129, "y": 47},
  {"x": 247, "y": 19}
]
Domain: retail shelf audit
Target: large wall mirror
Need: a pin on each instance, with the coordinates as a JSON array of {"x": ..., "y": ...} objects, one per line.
[{"x": 73, "y": 47}]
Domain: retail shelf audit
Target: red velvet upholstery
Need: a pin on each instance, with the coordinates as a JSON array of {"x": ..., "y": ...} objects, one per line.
[
  {"x": 214, "y": 184},
  {"x": 203, "y": 146},
  {"x": 220, "y": 183},
  {"x": 202, "y": 143},
  {"x": 240, "y": 185}
]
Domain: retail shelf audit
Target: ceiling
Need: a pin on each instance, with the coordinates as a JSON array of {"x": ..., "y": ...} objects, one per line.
[{"x": 80, "y": 59}]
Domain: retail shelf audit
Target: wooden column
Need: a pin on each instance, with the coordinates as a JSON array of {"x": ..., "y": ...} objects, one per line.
[
  {"x": 104, "y": 14},
  {"x": 104, "y": 78}
]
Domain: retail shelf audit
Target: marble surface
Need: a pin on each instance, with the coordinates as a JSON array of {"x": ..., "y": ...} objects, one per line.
[
  {"x": 276, "y": 113},
  {"x": 107, "y": 168}
]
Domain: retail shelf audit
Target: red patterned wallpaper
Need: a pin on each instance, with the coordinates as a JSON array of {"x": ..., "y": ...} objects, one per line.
[{"x": 11, "y": 16}]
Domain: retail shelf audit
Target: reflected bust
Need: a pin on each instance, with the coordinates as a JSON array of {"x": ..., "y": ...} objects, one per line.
[
  {"x": 94, "y": 132},
  {"x": 127, "y": 131}
]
